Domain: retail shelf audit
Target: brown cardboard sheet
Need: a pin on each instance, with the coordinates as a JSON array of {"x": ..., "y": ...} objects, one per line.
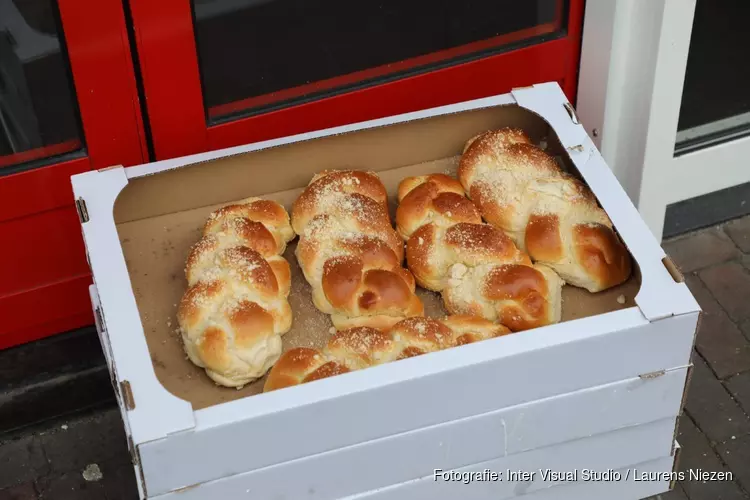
[{"x": 155, "y": 251}]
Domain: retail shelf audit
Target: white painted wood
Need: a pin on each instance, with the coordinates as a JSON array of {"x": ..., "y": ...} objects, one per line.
[
  {"x": 625, "y": 489},
  {"x": 328, "y": 479},
  {"x": 708, "y": 170},
  {"x": 633, "y": 63},
  {"x": 661, "y": 176},
  {"x": 478, "y": 387},
  {"x": 157, "y": 412},
  {"x": 629, "y": 489}
]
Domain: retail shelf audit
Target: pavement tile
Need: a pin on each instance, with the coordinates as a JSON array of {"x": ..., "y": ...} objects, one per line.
[
  {"x": 736, "y": 454},
  {"x": 70, "y": 486},
  {"x": 119, "y": 481},
  {"x": 701, "y": 249},
  {"x": 730, "y": 285},
  {"x": 712, "y": 407},
  {"x": 697, "y": 454},
  {"x": 739, "y": 231},
  {"x": 719, "y": 340},
  {"x": 745, "y": 329},
  {"x": 21, "y": 460},
  {"x": 24, "y": 491},
  {"x": 739, "y": 387},
  {"x": 91, "y": 439}
]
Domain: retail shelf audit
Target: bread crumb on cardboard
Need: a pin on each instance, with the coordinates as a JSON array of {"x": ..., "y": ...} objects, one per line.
[{"x": 621, "y": 299}]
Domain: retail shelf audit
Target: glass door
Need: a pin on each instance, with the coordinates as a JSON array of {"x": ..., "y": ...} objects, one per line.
[
  {"x": 66, "y": 106},
  {"x": 228, "y": 72}
]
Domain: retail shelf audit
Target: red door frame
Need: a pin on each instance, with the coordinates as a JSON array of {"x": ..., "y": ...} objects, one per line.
[
  {"x": 44, "y": 277},
  {"x": 169, "y": 66}
]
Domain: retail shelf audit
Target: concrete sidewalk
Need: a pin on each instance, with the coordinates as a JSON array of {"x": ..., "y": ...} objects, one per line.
[{"x": 86, "y": 457}]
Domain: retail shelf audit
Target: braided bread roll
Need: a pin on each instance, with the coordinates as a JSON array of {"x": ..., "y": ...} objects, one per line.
[
  {"x": 548, "y": 213},
  {"x": 362, "y": 347},
  {"x": 478, "y": 269},
  {"x": 235, "y": 309},
  {"x": 349, "y": 252}
]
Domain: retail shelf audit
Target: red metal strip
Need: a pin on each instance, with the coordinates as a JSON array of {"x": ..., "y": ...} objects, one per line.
[
  {"x": 169, "y": 67},
  {"x": 472, "y": 80},
  {"x": 370, "y": 73},
  {"x": 38, "y": 190},
  {"x": 99, "y": 52},
  {"x": 573, "y": 53},
  {"x": 38, "y": 153}
]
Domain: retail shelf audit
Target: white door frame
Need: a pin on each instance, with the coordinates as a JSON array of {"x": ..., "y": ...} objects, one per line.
[{"x": 633, "y": 62}]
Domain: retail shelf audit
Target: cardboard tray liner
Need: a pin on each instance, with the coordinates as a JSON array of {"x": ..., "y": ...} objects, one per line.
[{"x": 159, "y": 217}]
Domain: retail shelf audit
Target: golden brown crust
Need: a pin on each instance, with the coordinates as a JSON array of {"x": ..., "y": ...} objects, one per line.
[
  {"x": 336, "y": 191},
  {"x": 469, "y": 329},
  {"x": 436, "y": 199},
  {"x": 459, "y": 256},
  {"x": 235, "y": 310},
  {"x": 349, "y": 252},
  {"x": 361, "y": 347},
  {"x": 550, "y": 214},
  {"x": 601, "y": 253}
]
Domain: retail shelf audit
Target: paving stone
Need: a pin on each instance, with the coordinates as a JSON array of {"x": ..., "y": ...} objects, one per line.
[
  {"x": 119, "y": 481},
  {"x": 697, "y": 454},
  {"x": 91, "y": 439},
  {"x": 24, "y": 491},
  {"x": 739, "y": 386},
  {"x": 701, "y": 249},
  {"x": 70, "y": 486},
  {"x": 730, "y": 285},
  {"x": 719, "y": 340},
  {"x": 739, "y": 231},
  {"x": 736, "y": 454},
  {"x": 745, "y": 329},
  {"x": 711, "y": 406},
  {"x": 21, "y": 461}
]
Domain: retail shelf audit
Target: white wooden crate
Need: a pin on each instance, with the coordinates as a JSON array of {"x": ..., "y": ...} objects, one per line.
[{"x": 535, "y": 390}]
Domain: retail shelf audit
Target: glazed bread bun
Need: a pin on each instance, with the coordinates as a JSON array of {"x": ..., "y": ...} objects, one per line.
[
  {"x": 362, "y": 347},
  {"x": 349, "y": 252},
  {"x": 235, "y": 309},
  {"x": 548, "y": 213},
  {"x": 477, "y": 267}
]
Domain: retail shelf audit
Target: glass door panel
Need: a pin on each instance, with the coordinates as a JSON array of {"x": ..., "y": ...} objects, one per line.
[
  {"x": 38, "y": 111},
  {"x": 716, "y": 98},
  {"x": 256, "y": 55}
]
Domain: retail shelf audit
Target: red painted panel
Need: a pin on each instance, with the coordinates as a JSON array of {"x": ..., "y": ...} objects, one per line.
[
  {"x": 169, "y": 67},
  {"x": 40, "y": 189},
  {"x": 55, "y": 308},
  {"x": 39, "y": 331},
  {"x": 44, "y": 282},
  {"x": 99, "y": 52},
  {"x": 50, "y": 249}
]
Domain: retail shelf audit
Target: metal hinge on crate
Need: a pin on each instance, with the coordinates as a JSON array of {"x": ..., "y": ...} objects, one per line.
[
  {"x": 83, "y": 213},
  {"x": 572, "y": 112}
]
